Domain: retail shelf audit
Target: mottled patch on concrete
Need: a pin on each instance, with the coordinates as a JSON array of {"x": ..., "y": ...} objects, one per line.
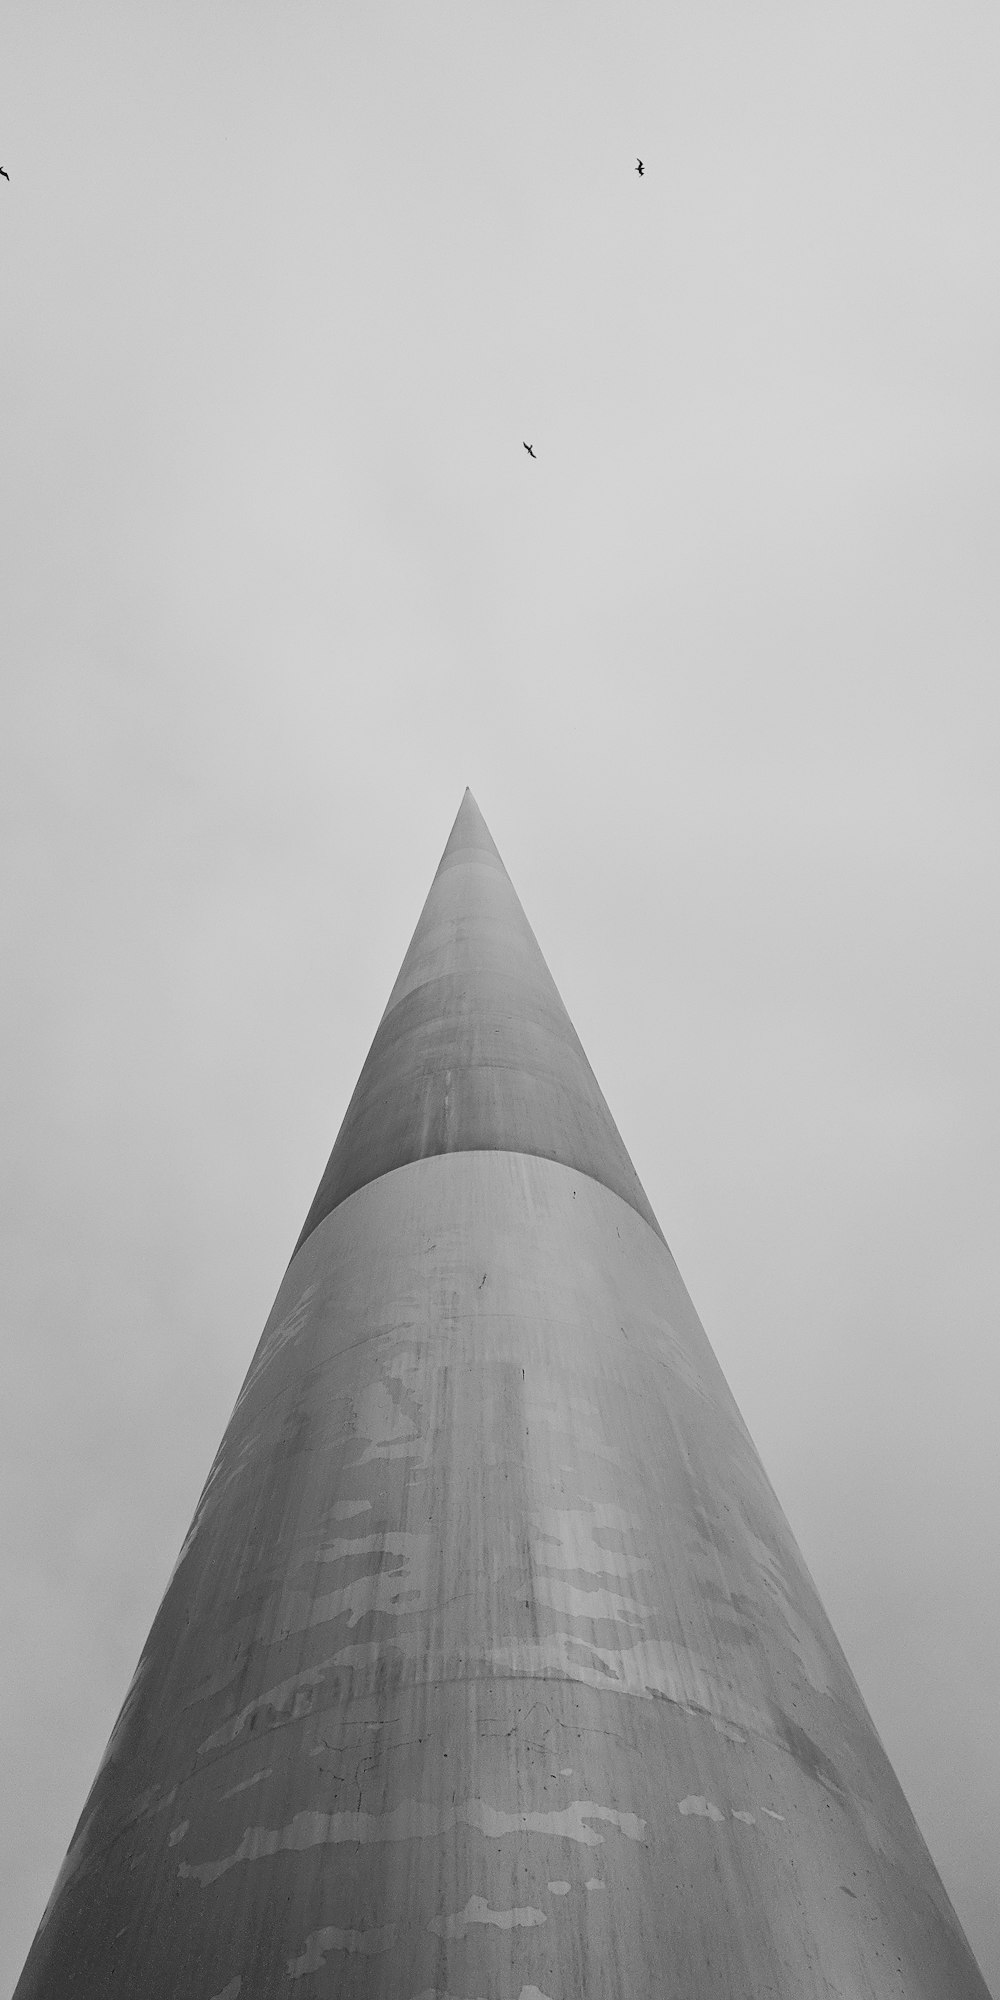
[
  {"x": 320, "y": 1943},
  {"x": 414, "y": 1820},
  {"x": 477, "y": 1911}
]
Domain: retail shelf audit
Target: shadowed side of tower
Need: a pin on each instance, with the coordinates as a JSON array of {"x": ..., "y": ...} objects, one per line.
[{"x": 489, "y": 1665}]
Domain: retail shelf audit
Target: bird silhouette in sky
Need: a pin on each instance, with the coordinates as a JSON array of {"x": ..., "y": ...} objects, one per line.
[
  {"x": 529, "y": 448},
  {"x": 5, "y": 174},
  {"x": 640, "y": 169}
]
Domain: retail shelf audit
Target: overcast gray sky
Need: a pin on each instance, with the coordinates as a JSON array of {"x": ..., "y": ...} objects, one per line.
[{"x": 282, "y": 289}]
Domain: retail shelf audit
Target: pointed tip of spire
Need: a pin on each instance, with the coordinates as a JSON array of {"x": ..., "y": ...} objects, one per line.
[
  {"x": 475, "y": 1051},
  {"x": 469, "y": 832}
]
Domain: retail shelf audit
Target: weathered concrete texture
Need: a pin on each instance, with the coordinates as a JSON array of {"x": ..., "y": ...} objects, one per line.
[{"x": 489, "y": 1666}]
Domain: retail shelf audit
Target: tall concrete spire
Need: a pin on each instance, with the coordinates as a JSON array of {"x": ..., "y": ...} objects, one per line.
[{"x": 489, "y": 1665}]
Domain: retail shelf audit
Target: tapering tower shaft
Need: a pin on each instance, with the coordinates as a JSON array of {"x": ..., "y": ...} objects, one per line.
[{"x": 489, "y": 1665}]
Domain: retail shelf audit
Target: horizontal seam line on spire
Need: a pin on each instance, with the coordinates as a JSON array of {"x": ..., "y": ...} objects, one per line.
[
  {"x": 459, "y": 1680},
  {"x": 502, "y": 1152}
]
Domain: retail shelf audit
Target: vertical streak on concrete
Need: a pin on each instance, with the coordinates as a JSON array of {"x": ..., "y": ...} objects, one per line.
[{"x": 489, "y": 1664}]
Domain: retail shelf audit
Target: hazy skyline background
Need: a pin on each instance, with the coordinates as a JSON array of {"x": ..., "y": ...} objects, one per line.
[{"x": 283, "y": 290}]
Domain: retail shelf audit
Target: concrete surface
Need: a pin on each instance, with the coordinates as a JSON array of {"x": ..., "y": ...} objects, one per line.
[{"x": 489, "y": 1666}]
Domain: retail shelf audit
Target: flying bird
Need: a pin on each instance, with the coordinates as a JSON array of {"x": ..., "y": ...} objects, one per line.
[
  {"x": 529, "y": 448},
  {"x": 5, "y": 174},
  {"x": 640, "y": 169}
]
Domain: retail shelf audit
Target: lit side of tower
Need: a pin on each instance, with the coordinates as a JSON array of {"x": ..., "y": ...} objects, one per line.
[{"x": 489, "y": 1666}]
